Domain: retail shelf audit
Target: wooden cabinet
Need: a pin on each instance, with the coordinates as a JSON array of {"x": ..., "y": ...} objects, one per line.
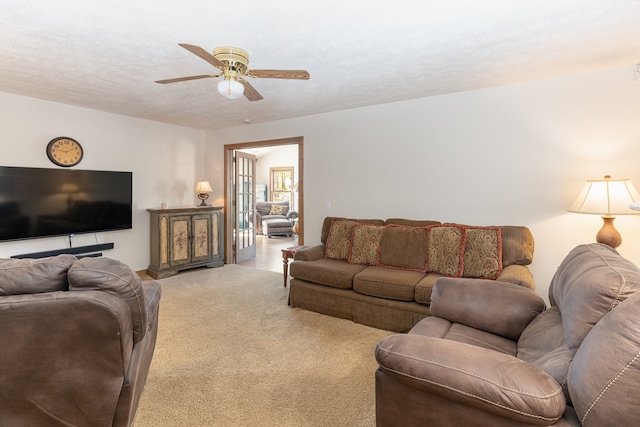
[{"x": 184, "y": 238}]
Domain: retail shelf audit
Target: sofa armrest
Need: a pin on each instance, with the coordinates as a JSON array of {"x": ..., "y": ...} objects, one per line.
[
  {"x": 311, "y": 253},
  {"x": 292, "y": 214},
  {"x": 518, "y": 275},
  {"x": 494, "y": 382},
  {"x": 500, "y": 308}
]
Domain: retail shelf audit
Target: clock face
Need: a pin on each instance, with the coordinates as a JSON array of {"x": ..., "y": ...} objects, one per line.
[{"x": 64, "y": 151}]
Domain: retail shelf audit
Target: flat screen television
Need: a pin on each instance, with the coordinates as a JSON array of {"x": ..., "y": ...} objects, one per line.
[{"x": 41, "y": 202}]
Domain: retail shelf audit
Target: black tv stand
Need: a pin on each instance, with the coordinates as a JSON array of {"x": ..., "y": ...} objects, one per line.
[{"x": 80, "y": 251}]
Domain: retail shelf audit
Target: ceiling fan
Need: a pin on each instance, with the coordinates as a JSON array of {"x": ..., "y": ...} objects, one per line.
[{"x": 233, "y": 65}]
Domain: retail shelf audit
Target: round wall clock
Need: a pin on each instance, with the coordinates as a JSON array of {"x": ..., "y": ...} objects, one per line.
[{"x": 64, "y": 151}]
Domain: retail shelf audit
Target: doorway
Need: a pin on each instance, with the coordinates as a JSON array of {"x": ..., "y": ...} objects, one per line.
[{"x": 231, "y": 206}]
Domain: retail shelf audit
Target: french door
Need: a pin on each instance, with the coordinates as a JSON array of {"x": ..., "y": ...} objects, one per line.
[{"x": 245, "y": 212}]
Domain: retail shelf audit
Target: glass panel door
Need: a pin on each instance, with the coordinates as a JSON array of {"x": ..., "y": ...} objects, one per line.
[{"x": 245, "y": 218}]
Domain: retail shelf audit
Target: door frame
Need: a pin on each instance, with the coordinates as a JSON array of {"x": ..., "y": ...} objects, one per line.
[{"x": 229, "y": 257}]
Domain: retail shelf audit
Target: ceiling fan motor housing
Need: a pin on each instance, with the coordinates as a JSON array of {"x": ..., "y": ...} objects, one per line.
[{"x": 235, "y": 58}]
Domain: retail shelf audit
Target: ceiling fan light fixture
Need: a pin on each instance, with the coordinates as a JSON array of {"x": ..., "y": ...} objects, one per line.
[{"x": 230, "y": 88}]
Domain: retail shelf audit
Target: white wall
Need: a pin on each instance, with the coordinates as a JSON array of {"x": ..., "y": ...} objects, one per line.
[
  {"x": 166, "y": 162},
  {"x": 515, "y": 155}
]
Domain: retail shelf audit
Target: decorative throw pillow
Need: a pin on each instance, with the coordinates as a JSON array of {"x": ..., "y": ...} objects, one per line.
[
  {"x": 483, "y": 252},
  {"x": 404, "y": 248},
  {"x": 365, "y": 242},
  {"x": 277, "y": 210},
  {"x": 339, "y": 239},
  {"x": 446, "y": 249}
]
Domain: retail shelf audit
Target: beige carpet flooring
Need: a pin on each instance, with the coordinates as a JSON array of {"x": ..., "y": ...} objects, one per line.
[{"x": 231, "y": 352}]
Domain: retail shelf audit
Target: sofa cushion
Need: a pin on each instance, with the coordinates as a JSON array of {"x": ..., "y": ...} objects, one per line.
[
  {"x": 482, "y": 252},
  {"x": 115, "y": 278},
  {"x": 542, "y": 344},
  {"x": 32, "y": 276},
  {"x": 424, "y": 288},
  {"x": 329, "y": 272},
  {"x": 403, "y": 248},
  {"x": 387, "y": 283},
  {"x": 446, "y": 250},
  {"x": 591, "y": 281},
  {"x": 365, "y": 243},
  {"x": 339, "y": 240}
]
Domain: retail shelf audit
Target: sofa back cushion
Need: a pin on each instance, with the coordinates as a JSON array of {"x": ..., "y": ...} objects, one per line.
[
  {"x": 32, "y": 276},
  {"x": 404, "y": 248},
  {"x": 115, "y": 278},
  {"x": 590, "y": 282},
  {"x": 605, "y": 371}
]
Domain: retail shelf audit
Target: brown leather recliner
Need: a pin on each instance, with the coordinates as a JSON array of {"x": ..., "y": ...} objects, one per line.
[
  {"x": 77, "y": 341},
  {"x": 491, "y": 355}
]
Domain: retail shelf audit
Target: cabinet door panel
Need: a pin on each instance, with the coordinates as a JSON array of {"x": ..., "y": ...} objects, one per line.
[
  {"x": 179, "y": 236},
  {"x": 201, "y": 237}
]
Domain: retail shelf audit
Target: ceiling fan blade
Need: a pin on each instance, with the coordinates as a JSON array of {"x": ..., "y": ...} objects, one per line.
[
  {"x": 198, "y": 51},
  {"x": 279, "y": 74},
  {"x": 182, "y": 79},
  {"x": 250, "y": 92}
]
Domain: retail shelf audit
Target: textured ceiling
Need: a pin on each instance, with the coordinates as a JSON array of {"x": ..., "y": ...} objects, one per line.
[{"x": 106, "y": 55}]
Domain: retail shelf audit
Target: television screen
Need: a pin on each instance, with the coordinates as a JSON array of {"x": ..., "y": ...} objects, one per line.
[{"x": 40, "y": 202}]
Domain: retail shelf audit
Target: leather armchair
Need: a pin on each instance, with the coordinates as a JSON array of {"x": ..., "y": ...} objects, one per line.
[
  {"x": 77, "y": 341},
  {"x": 492, "y": 355}
]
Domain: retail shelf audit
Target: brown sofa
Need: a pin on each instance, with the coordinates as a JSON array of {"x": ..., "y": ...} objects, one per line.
[
  {"x": 77, "y": 340},
  {"x": 381, "y": 273},
  {"x": 491, "y": 355}
]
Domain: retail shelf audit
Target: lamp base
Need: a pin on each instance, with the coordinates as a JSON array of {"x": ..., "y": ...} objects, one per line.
[
  {"x": 203, "y": 197},
  {"x": 608, "y": 233}
]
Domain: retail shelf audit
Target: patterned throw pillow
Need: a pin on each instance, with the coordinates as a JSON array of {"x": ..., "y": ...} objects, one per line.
[
  {"x": 446, "y": 249},
  {"x": 339, "y": 239},
  {"x": 404, "y": 248},
  {"x": 277, "y": 210},
  {"x": 483, "y": 252},
  {"x": 365, "y": 242}
]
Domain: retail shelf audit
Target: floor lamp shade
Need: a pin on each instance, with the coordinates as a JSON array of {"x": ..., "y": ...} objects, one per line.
[{"x": 607, "y": 197}]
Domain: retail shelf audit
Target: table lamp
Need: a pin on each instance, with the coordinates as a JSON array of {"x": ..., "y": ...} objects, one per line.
[
  {"x": 203, "y": 188},
  {"x": 607, "y": 197}
]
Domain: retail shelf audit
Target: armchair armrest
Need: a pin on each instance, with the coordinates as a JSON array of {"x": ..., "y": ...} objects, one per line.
[
  {"x": 311, "y": 253},
  {"x": 494, "y": 382},
  {"x": 292, "y": 214},
  {"x": 500, "y": 308}
]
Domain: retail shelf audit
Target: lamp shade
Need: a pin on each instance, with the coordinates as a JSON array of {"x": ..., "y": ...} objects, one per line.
[
  {"x": 230, "y": 88},
  {"x": 203, "y": 187},
  {"x": 606, "y": 197}
]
